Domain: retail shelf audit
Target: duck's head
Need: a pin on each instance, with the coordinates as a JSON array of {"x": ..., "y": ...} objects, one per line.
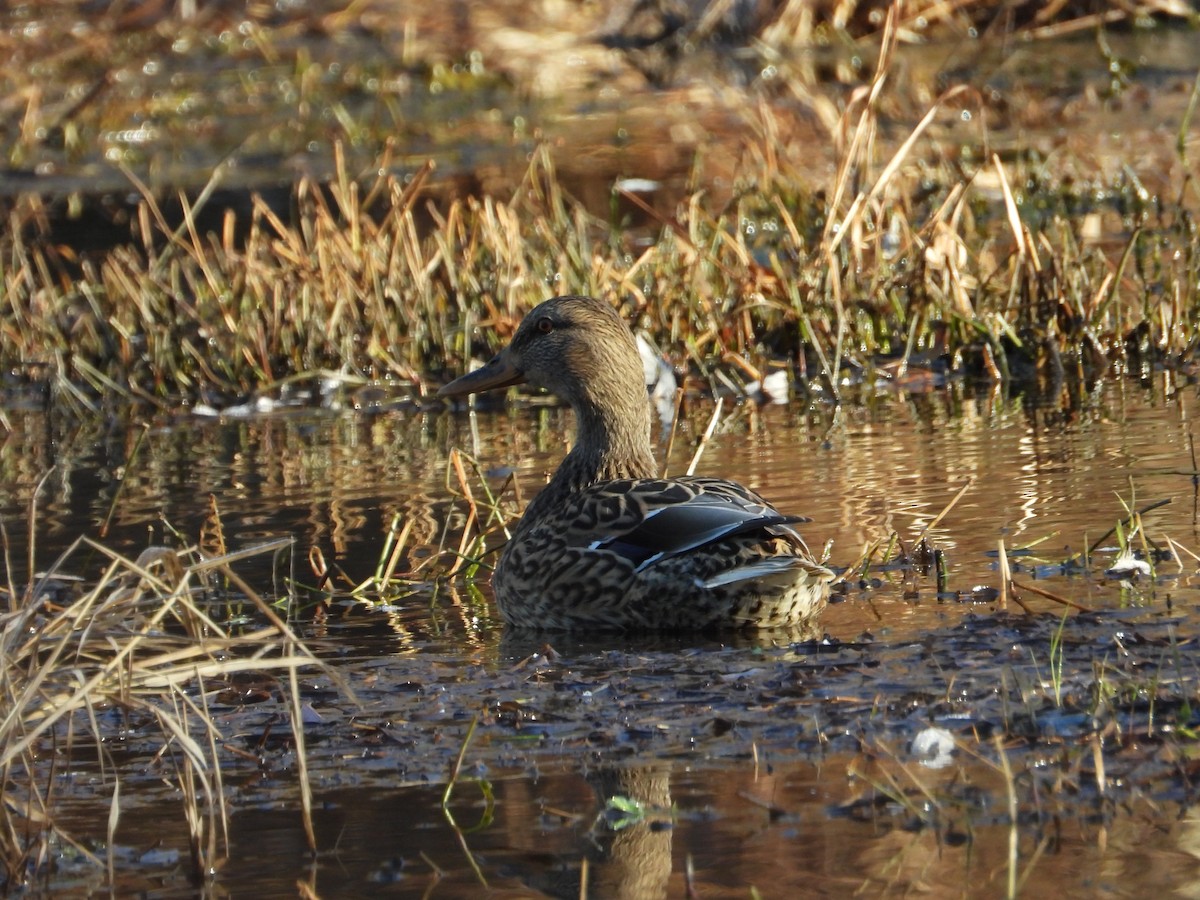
[{"x": 575, "y": 347}]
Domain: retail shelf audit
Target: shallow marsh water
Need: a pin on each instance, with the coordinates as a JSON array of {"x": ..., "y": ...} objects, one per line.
[{"x": 797, "y": 769}]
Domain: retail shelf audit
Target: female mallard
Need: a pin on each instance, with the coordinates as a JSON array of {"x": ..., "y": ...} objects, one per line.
[{"x": 606, "y": 544}]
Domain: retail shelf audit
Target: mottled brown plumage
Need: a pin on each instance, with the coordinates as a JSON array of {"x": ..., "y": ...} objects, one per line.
[{"x": 607, "y": 545}]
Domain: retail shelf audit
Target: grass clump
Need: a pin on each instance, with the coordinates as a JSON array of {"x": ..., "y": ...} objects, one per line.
[
  {"x": 371, "y": 282},
  {"x": 136, "y": 653}
]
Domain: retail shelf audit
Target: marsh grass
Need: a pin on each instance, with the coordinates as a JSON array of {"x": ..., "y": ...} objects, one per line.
[
  {"x": 386, "y": 291},
  {"x": 985, "y": 264},
  {"x": 141, "y": 640}
]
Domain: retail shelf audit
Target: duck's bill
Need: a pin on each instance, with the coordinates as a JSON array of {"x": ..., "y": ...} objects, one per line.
[{"x": 498, "y": 373}]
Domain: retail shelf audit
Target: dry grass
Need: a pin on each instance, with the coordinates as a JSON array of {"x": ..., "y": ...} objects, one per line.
[
  {"x": 905, "y": 250},
  {"x": 142, "y": 639},
  {"x": 372, "y": 282}
]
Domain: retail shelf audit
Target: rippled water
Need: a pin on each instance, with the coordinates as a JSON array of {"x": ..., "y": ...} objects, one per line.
[
  {"x": 1051, "y": 476},
  {"x": 789, "y": 770}
]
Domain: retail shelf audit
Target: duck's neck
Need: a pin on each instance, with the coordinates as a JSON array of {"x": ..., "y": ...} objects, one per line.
[{"x": 611, "y": 442}]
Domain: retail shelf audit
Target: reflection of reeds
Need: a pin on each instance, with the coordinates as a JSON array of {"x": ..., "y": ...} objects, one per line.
[{"x": 140, "y": 639}]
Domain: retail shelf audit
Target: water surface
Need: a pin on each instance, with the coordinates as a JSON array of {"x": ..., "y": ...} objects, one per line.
[{"x": 748, "y": 761}]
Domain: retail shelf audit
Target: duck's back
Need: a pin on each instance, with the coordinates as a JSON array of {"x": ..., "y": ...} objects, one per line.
[{"x": 659, "y": 554}]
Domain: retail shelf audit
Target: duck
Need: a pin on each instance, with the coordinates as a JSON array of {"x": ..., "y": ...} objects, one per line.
[{"x": 609, "y": 544}]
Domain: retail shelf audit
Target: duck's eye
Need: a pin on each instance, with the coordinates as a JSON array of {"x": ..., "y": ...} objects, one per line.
[{"x": 545, "y": 325}]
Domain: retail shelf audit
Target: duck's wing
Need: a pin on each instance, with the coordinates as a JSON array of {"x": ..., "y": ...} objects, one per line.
[{"x": 647, "y": 521}]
